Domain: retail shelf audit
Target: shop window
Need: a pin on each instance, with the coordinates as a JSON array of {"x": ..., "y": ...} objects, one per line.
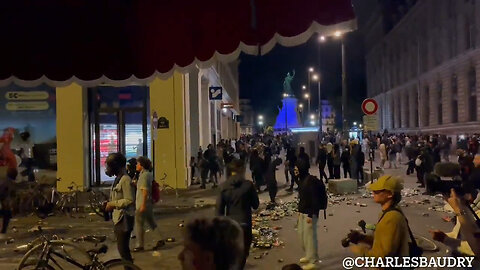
[{"x": 33, "y": 111}]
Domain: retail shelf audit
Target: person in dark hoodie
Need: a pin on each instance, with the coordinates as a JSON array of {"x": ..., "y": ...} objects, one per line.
[
  {"x": 312, "y": 197},
  {"x": 236, "y": 200},
  {"x": 271, "y": 179},
  {"x": 303, "y": 164}
]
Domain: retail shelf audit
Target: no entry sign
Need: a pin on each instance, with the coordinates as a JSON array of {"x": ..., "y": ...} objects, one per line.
[{"x": 369, "y": 106}]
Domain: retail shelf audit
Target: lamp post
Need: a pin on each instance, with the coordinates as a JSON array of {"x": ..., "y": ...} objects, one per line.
[
  {"x": 285, "y": 95},
  {"x": 307, "y": 97},
  {"x": 310, "y": 71},
  {"x": 339, "y": 35},
  {"x": 320, "y": 121},
  {"x": 300, "y": 107}
]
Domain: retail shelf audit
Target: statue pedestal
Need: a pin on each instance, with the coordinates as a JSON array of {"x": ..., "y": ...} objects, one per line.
[{"x": 288, "y": 117}]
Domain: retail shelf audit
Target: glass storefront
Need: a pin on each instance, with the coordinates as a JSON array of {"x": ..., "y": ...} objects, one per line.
[
  {"x": 119, "y": 122},
  {"x": 31, "y": 111}
]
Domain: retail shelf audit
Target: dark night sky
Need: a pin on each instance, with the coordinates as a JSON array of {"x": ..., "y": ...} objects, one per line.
[{"x": 261, "y": 77}]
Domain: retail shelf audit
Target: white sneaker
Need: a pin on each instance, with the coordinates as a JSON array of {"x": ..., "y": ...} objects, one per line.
[
  {"x": 304, "y": 260},
  {"x": 310, "y": 266}
]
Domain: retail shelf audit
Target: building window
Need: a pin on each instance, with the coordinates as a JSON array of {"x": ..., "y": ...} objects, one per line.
[
  {"x": 407, "y": 109},
  {"x": 426, "y": 114},
  {"x": 468, "y": 34},
  {"x": 454, "y": 99},
  {"x": 439, "y": 107},
  {"x": 392, "y": 115},
  {"x": 417, "y": 115},
  {"x": 472, "y": 97}
]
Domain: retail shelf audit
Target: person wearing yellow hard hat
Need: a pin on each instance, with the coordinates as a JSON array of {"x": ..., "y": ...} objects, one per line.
[{"x": 392, "y": 235}]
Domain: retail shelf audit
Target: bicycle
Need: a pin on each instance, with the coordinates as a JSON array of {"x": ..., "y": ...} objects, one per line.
[
  {"x": 57, "y": 253},
  {"x": 166, "y": 188},
  {"x": 56, "y": 202},
  {"x": 97, "y": 199}
]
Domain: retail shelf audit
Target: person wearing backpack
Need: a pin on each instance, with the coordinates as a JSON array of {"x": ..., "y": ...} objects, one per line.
[
  {"x": 313, "y": 198},
  {"x": 392, "y": 237},
  {"x": 144, "y": 202}
]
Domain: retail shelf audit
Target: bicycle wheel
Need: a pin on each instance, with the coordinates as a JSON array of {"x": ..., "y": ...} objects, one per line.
[
  {"x": 96, "y": 200},
  {"x": 425, "y": 244},
  {"x": 64, "y": 248},
  {"x": 119, "y": 264}
]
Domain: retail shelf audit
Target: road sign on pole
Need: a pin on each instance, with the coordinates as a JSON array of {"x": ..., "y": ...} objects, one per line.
[
  {"x": 369, "y": 106},
  {"x": 370, "y": 122},
  {"x": 215, "y": 92}
]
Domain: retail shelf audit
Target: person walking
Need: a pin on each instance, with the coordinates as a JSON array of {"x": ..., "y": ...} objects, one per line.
[
  {"x": 345, "y": 159},
  {"x": 143, "y": 202},
  {"x": 383, "y": 155},
  {"x": 257, "y": 166},
  {"x": 360, "y": 161},
  {"x": 236, "y": 200},
  {"x": 312, "y": 197},
  {"x": 292, "y": 160},
  {"x": 322, "y": 162},
  {"x": 329, "y": 149},
  {"x": 392, "y": 237},
  {"x": 271, "y": 179},
  {"x": 336, "y": 161},
  {"x": 121, "y": 203}
]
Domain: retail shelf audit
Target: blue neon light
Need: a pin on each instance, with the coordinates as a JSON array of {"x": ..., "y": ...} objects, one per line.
[{"x": 288, "y": 114}]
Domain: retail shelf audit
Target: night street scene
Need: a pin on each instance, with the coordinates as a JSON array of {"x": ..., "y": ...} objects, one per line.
[{"x": 239, "y": 134}]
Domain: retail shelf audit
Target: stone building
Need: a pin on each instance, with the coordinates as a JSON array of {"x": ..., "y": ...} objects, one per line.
[{"x": 423, "y": 65}]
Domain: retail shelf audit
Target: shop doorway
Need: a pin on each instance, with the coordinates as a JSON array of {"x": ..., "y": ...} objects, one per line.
[{"x": 117, "y": 128}]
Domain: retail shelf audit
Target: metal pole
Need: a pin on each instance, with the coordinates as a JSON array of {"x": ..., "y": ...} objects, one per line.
[
  {"x": 286, "y": 115},
  {"x": 308, "y": 91},
  {"x": 344, "y": 93},
  {"x": 320, "y": 121}
]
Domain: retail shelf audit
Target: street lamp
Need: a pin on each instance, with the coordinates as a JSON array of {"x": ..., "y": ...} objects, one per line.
[
  {"x": 260, "y": 123},
  {"x": 310, "y": 69},
  {"x": 260, "y": 117},
  {"x": 304, "y": 87},
  {"x": 360, "y": 125},
  {"x": 339, "y": 35},
  {"x": 354, "y": 123},
  {"x": 312, "y": 116}
]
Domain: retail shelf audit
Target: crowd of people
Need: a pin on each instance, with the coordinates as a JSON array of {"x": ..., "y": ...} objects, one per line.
[{"x": 223, "y": 241}]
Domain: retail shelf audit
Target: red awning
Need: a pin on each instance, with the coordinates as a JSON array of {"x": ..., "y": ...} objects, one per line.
[{"x": 111, "y": 41}]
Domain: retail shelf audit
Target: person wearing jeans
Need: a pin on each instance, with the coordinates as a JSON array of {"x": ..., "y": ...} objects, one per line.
[
  {"x": 121, "y": 203},
  {"x": 307, "y": 231},
  {"x": 313, "y": 197}
]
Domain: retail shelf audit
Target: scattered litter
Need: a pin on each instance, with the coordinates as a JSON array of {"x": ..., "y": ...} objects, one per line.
[
  {"x": 447, "y": 219},
  {"x": 14, "y": 229},
  {"x": 35, "y": 229},
  {"x": 170, "y": 240},
  {"x": 156, "y": 254},
  {"x": 330, "y": 214},
  {"x": 425, "y": 214},
  {"x": 363, "y": 205},
  {"x": 358, "y": 211},
  {"x": 9, "y": 241},
  {"x": 280, "y": 260},
  {"x": 159, "y": 244}
]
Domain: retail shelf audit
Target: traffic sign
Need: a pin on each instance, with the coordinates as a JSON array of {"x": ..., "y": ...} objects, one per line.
[
  {"x": 370, "y": 122},
  {"x": 215, "y": 92},
  {"x": 369, "y": 106}
]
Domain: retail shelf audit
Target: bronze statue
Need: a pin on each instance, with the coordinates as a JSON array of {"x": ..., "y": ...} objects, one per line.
[{"x": 287, "y": 87}]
